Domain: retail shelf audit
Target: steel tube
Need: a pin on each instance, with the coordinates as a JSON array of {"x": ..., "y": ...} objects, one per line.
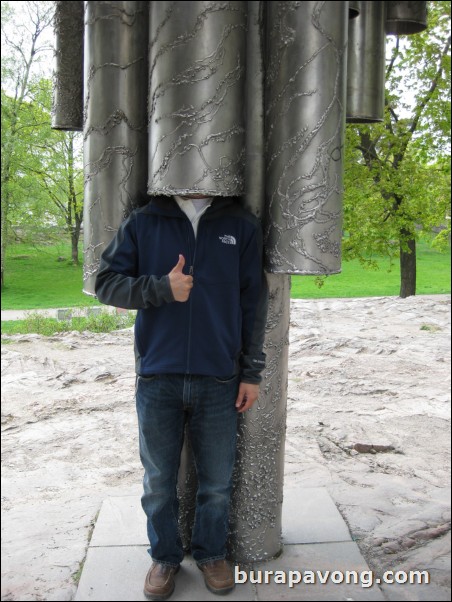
[
  {"x": 366, "y": 64},
  {"x": 196, "y": 87},
  {"x": 254, "y": 106},
  {"x": 354, "y": 8},
  {"x": 256, "y": 510},
  {"x": 405, "y": 17},
  {"x": 258, "y": 478},
  {"x": 67, "y": 106},
  {"x": 305, "y": 118},
  {"x": 115, "y": 136}
]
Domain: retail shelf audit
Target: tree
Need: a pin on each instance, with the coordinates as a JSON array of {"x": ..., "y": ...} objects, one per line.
[
  {"x": 62, "y": 179},
  {"x": 53, "y": 158},
  {"x": 23, "y": 44},
  {"x": 398, "y": 173},
  {"x": 43, "y": 179}
]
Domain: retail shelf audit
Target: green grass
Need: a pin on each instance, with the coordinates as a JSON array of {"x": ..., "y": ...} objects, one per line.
[
  {"x": 433, "y": 277},
  {"x": 42, "y": 324},
  {"x": 35, "y": 279}
]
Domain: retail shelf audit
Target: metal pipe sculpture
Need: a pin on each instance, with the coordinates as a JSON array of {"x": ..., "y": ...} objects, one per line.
[
  {"x": 67, "y": 109},
  {"x": 305, "y": 119},
  {"x": 405, "y": 17},
  {"x": 245, "y": 99},
  {"x": 115, "y": 114},
  {"x": 258, "y": 479},
  {"x": 196, "y": 86},
  {"x": 366, "y": 64},
  {"x": 256, "y": 507},
  {"x": 254, "y": 107}
]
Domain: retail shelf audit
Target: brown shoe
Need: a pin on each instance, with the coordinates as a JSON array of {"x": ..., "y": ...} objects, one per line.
[
  {"x": 218, "y": 576},
  {"x": 159, "y": 583}
]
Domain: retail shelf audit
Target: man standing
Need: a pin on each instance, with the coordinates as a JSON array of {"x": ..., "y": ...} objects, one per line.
[{"x": 192, "y": 267}]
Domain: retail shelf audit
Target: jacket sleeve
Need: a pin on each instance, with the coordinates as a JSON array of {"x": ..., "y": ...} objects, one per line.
[
  {"x": 254, "y": 304},
  {"x": 118, "y": 282}
]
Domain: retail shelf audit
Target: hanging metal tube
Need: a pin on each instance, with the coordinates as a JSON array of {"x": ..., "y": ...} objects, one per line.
[
  {"x": 366, "y": 64},
  {"x": 354, "y": 8},
  {"x": 115, "y": 136},
  {"x": 305, "y": 118},
  {"x": 67, "y": 106},
  {"x": 254, "y": 103},
  {"x": 256, "y": 503},
  {"x": 196, "y": 87},
  {"x": 405, "y": 17}
]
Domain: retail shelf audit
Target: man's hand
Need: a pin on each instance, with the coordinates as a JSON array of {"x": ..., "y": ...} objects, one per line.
[
  {"x": 246, "y": 397},
  {"x": 181, "y": 284}
]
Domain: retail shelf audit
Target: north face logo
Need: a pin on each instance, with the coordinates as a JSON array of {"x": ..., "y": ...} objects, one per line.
[{"x": 228, "y": 239}]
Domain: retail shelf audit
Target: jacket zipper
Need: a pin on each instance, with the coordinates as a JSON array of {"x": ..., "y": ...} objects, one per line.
[{"x": 191, "y": 272}]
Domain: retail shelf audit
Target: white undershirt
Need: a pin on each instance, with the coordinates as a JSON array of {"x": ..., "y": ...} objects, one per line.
[{"x": 194, "y": 209}]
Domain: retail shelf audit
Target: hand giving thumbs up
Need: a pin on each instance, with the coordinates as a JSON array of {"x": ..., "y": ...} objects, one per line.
[{"x": 181, "y": 284}]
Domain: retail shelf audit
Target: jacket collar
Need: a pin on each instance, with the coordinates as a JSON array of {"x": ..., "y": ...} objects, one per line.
[{"x": 164, "y": 205}]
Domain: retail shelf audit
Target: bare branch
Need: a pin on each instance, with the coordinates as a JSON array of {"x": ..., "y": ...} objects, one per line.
[{"x": 395, "y": 54}]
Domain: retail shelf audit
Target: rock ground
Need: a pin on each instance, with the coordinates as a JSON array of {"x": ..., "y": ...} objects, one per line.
[{"x": 368, "y": 418}]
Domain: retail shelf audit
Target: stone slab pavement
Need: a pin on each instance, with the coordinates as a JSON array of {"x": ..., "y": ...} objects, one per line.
[{"x": 315, "y": 538}]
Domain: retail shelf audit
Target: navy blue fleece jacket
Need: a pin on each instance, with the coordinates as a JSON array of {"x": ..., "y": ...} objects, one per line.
[{"x": 220, "y": 330}]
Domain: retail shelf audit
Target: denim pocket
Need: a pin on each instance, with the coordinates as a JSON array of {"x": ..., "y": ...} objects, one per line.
[
  {"x": 226, "y": 381},
  {"x": 147, "y": 379}
]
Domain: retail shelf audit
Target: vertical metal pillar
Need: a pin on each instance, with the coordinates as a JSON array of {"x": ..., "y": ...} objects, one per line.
[
  {"x": 258, "y": 478},
  {"x": 67, "y": 106},
  {"x": 405, "y": 17},
  {"x": 354, "y": 7},
  {"x": 366, "y": 64},
  {"x": 259, "y": 475},
  {"x": 196, "y": 85},
  {"x": 305, "y": 117},
  {"x": 254, "y": 110},
  {"x": 115, "y": 139}
]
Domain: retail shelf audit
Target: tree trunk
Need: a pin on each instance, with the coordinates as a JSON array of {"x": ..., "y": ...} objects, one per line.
[
  {"x": 74, "y": 243},
  {"x": 407, "y": 266},
  {"x": 74, "y": 212},
  {"x": 3, "y": 241}
]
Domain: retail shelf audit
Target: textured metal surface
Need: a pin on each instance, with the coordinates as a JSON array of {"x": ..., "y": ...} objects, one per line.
[
  {"x": 67, "y": 106},
  {"x": 115, "y": 137},
  {"x": 404, "y": 18},
  {"x": 258, "y": 478},
  {"x": 305, "y": 117},
  {"x": 366, "y": 64},
  {"x": 196, "y": 86}
]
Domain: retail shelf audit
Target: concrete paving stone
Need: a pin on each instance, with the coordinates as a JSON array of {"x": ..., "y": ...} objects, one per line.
[
  {"x": 418, "y": 592},
  {"x": 309, "y": 515},
  {"x": 117, "y": 559},
  {"x": 118, "y": 573},
  {"x": 121, "y": 522},
  {"x": 343, "y": 557}
]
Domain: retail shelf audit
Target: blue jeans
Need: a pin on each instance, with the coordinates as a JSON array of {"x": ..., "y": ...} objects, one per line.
[{"x": 164, "y": 403}]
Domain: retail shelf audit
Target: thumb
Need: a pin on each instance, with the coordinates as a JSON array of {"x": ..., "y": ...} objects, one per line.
[{"x": 180, "y": 264}]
